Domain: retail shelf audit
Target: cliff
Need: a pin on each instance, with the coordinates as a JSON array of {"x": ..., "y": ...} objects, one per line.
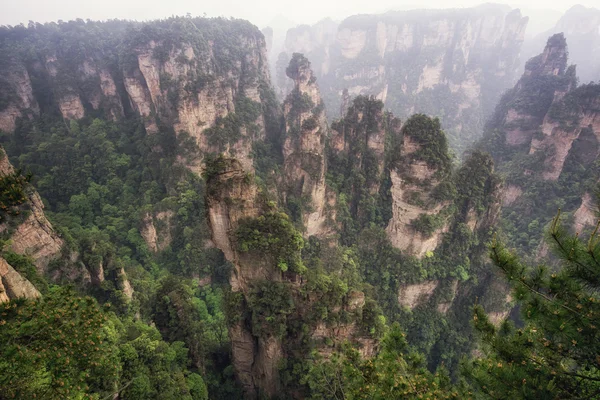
[
  {"x": 418, "y": 217},
  {"x": 401, "y": 177},
  {"x": 271, "y": 285},
  {"x": 24, "y": 230},
  {"x": 13, "y": 285},
  {"x": 544, "y": 137},
  {"x": 177, "y": 75},
  {"x": 450, "y": 63},
  {"x": 24, "y": 225},
  {"x": 304, "y": 158},
  {"x": 579, "y": 25},
  {"x": 420, "y": 224},
  {"x": 523, "y": 109}
]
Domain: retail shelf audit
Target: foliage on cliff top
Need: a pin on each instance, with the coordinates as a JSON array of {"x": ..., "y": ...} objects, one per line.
[
  {"x": 273, "y": 234},
  {"x": 297, "y": 65},
  {"x": 433, "y": 145}
]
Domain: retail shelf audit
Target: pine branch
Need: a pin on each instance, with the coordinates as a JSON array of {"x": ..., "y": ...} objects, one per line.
[
  {"x": 503, "y": 266},
  {"x": 555, "y": 233}
]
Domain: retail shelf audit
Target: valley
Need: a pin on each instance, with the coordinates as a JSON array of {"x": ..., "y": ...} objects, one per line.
[{"x": 187, "y": 211}]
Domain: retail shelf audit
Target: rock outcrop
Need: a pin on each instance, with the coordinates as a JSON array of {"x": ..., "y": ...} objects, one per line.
[
  {"x": 546, "y": 80},
  {"x": 304, "y": 148},
  {"x": 450, "y": 63},
  {"x": 32, "y": 235},
  {"x": 553, "y": 127},
  {"x": 208, "y": 85},
  {"x": 579, "y": 25},
  {"x": 35, "y": 236},
  {"x": 405, "y": 172},
  {"x": 411, "y": 295},
  {"x": 360, "y": 137},
  {"x": 234, "y": 201},
  {"x": 15, "y": 84},
  {"x": 13, "y": 285},
  {"x": 234, "y": 198},
  {"x": 586, "y": 215},
  {"x": 156, "y": 229},
  {"x": 414, "y": 182}
]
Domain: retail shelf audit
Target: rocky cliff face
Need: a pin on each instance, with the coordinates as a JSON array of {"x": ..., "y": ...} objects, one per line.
[
  {"x": 545, "y": 136},
  {"x": 13, "y": 285},
  {"x": 26, "y": 232},
  {"x": 360, "y": 138},
  {"x": 234, "y": 198},
  {"x": 450, "y": 63},
  {"x": 35, "y": 236},
  {"x": 156, "y": 230},
  {"x": 580, "y": 27},
  {"x": 401, "y": 177},
  {"x": 17, "y": 99},
  {"x": 204, "y": 84},
  {"x": 304, "y": 148},
  {"x": 234, "y": 201},
  {"x": 545, "y": 114},
  {"x": 546, "y": 79},
  {"x": 30, "y": 233},
  {"x": 413, "y": 186}
]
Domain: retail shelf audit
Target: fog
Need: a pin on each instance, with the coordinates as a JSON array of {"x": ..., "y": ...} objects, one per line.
[{"x": 260, "y": 12}]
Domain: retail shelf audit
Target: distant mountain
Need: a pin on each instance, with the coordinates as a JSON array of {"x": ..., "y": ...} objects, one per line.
[
  {"x": 581, "y": 27},
  {"x": 544, "y": 137},
  {"x": 452, "y": 63}
]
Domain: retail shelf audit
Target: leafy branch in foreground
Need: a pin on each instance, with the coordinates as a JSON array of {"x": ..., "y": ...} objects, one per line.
[{"x": 556, "y": 353}]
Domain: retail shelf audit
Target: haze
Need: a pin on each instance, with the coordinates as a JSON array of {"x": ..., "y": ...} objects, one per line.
[{"x": 260, "y": 12}]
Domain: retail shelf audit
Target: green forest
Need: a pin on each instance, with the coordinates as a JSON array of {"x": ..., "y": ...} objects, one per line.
[{"x": 144, "y": 301}]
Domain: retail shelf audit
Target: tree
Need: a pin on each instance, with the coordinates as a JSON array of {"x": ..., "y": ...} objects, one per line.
[
  {"x": 57, "y": 347},
  {"x": 555, "y": 354},
  {"x": 393, "y": 374}
]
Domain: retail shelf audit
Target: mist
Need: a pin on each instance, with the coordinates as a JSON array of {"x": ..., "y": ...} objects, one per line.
[
  {"x": 260, "y": 12},
  {"x": 299, "y": 200}
]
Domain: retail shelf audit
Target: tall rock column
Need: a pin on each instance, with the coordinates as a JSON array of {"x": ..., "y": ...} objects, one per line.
[
  {"x": 419, "y": 213},
  {"x": 268, "y": 283},
  {"x": 545, "y": 80},
  {"x": 232, "y": 198},
  {"x": 304, "y": 147}
]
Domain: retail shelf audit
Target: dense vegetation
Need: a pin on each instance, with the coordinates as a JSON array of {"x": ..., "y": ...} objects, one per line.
[
  {"x": 100, "y": 180},
  {"x": 104, "y": 182},
  {"x": 66, "y": 346},
  {"x": 108, "y": 183},
  {"x": 553, "y": 353}
]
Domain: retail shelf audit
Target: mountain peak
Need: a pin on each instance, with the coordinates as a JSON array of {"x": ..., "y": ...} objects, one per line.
[{"x": 553, "y": 61}]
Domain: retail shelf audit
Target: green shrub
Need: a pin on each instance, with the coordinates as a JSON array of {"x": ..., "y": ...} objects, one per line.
[{"x": 273, "y": 234}]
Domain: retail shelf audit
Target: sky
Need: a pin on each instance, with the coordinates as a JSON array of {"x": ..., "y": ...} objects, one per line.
[{"x": 259, "y": 12}]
